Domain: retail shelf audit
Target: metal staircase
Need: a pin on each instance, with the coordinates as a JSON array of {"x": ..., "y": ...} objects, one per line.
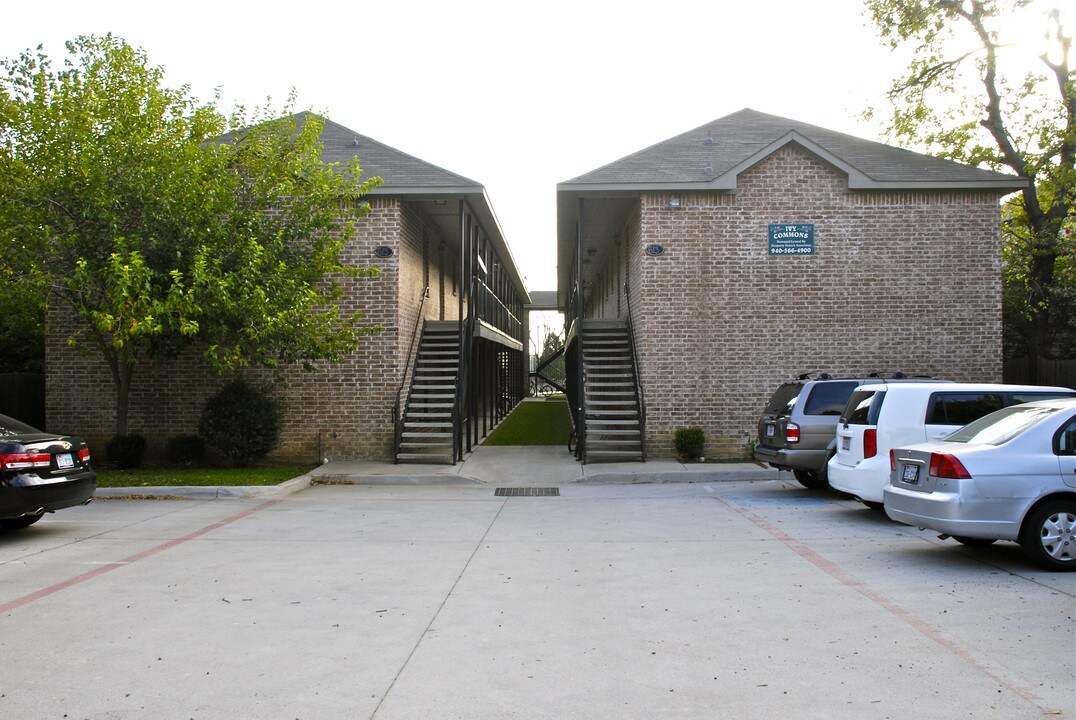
[
  {"x": 613, "y": 421},
  {"x": 427, "y": 434}
]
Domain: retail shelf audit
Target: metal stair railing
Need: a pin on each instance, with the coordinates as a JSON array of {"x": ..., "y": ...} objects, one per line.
[
  {"x": 397, "y": 414},
  {"x": 640, "y": 401},
  {"x": 463, "y": 376}
]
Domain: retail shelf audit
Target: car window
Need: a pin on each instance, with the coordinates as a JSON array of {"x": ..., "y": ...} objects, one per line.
[
  {"x": 961, "y": 408},
  {"x": 1066, "y": 439},
  {"x": 11, "y": 426},
  {"x": 1024, "y": 397},
  {"x": 784, "y": 398},
  {"x": 1001, "y": 426},
  {"x": 863, "y": 407},
  {"x": 829, "y": 398}
]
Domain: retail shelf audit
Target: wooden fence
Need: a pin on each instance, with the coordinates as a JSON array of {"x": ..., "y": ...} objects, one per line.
[{"x": 1051, "y": 372}]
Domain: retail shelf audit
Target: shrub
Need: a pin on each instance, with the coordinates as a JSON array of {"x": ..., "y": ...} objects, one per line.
[
  {"x": 126, "y": 451},
  {"x": 185, "y": 450},
  {"x": 689, "y": 443},
  {"x": 241, "y": 421}
]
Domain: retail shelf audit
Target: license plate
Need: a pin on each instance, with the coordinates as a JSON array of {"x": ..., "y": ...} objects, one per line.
[
  {"x": 846, "y": 443},
  {"x": 64, "y": 461},
  {"x": 771, "y": 431},
  {"x": 911, "y": 474}
]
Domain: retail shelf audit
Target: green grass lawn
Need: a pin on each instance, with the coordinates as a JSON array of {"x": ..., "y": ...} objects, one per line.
[
  {"x": 149, "y": 477},
  {"x": 537, "y": 422}
]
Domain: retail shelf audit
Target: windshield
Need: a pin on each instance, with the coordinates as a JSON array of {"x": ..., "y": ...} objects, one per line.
[
  {"x": 784, "y": 398},
  {"x": 1002, "y": 425},
  {"x": 863, "y": 407}
]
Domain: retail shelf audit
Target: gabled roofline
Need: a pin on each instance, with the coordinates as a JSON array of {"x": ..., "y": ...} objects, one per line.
[{"x": 857, "y": 180}]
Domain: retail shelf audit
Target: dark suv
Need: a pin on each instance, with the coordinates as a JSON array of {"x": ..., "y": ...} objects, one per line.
[{"x": 798, "y": 428}]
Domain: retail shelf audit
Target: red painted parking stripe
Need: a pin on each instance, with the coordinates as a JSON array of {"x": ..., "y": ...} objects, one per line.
[
  {"x": 850, "y": 581},
  {"x": 109, "y": 567}
]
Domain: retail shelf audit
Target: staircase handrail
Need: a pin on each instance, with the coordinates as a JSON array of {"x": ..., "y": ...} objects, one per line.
[
  {"x": 397, "y": 418},
  {"x": 463, "y": 375},
  {"x": 640, "y": 400}
]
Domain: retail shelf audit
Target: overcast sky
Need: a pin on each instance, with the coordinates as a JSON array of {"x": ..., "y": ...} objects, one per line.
[{"x": 516, "y": 96}]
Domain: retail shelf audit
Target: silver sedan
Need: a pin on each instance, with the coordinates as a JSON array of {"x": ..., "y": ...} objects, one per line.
[{"x": 1010, "y": 475}]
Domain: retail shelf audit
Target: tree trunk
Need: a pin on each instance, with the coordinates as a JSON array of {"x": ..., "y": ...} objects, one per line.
[{"x": 123, "y": 389}]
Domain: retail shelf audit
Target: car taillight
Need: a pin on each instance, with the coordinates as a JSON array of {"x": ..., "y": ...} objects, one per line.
[
  {"x": 870, "y": 443},
  {"x": 943, "y": 465},
  {"x": 792, "y": 433},
  {"x": 892, "y": 460},
  {"x": 22, "y": 461},
  {"x": 84, "y": 455}
]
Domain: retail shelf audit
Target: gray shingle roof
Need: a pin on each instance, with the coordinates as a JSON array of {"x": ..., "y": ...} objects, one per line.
[
  {"x": 398, "y": 169},
  {"x": 711, "y": 156}
]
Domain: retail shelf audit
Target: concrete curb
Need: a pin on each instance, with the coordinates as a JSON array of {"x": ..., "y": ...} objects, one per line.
[
  {"x": 716, "y": 473},
  {"x": 685, "y": 476},
  {"x": 206, "y": 492},
  {"x": 437, "y": 479}
]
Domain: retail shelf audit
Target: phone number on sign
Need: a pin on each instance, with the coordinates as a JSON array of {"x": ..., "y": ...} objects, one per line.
[{"x": 791, "y": 251}]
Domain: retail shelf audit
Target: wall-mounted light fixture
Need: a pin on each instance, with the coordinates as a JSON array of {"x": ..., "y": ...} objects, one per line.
[
  {"x": 440, "y": 203},
  {"x": 674, "y": 203}
]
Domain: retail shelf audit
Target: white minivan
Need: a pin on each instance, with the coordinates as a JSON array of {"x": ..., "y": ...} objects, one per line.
[{"x": 879, "y": 417}]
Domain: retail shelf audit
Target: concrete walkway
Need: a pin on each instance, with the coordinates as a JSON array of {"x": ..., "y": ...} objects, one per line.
[{"x": 517, "y": 466}]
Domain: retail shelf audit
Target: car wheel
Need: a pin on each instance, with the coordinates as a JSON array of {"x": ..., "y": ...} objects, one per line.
[
  {"x": 974, "y": 542},
  {"x": 19, "y": 522},
  {"x": 809, "y": 479},
  {"x": 1049, "y": 536}
]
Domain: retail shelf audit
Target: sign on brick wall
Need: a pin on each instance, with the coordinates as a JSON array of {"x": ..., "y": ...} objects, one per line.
[{"x": 791, "y": 239}]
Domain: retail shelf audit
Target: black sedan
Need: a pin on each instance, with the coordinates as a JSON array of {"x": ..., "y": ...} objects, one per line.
[{"x": 39, "y": 473}]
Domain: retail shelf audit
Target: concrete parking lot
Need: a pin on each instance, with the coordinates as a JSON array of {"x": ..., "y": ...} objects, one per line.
[{"x": 738, "y": 599}]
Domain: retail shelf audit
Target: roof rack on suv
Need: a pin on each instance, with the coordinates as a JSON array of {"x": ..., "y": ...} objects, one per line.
[{"x": 821, "y": 376}]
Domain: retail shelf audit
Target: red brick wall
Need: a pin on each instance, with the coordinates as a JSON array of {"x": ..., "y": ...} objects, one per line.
[
  {"x": 339, "y": 411},
  {"x": 900, "y": 281}
]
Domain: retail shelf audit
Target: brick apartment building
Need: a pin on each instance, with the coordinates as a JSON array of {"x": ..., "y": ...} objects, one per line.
[
  {"x": 721, "y": 262},
  {"x": 427, "y": 386}
]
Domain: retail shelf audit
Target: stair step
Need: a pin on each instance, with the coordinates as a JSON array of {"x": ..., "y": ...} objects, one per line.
[
  {"x": 424, "y": 459},
  {"x": 617, "y": 454}
]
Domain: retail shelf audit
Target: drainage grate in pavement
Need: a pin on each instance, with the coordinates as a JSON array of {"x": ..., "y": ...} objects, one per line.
[{"x": 527, "y": 492}]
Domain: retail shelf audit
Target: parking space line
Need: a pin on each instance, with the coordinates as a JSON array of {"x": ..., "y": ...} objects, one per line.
[
  {"x": 110, "y": 566},
  {"x": 854, "y": 583}
]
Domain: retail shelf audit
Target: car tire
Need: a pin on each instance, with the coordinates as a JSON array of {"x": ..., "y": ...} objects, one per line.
[
  {"x": 809, "y": 479},
  {"x": 19, "y": 522},
  {"x": 974, "y": 542},
  {"x": 1048, "y": 537}
]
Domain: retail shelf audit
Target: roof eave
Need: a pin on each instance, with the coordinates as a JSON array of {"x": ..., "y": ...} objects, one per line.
[{"x": 478, "y": 201}]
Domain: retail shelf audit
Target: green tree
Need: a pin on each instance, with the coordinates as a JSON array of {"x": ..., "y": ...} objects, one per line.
[
  {"x": 553, "y": 343},
  {"x": 976, "y": 92},
  {"x": 155, "y": 232}
]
